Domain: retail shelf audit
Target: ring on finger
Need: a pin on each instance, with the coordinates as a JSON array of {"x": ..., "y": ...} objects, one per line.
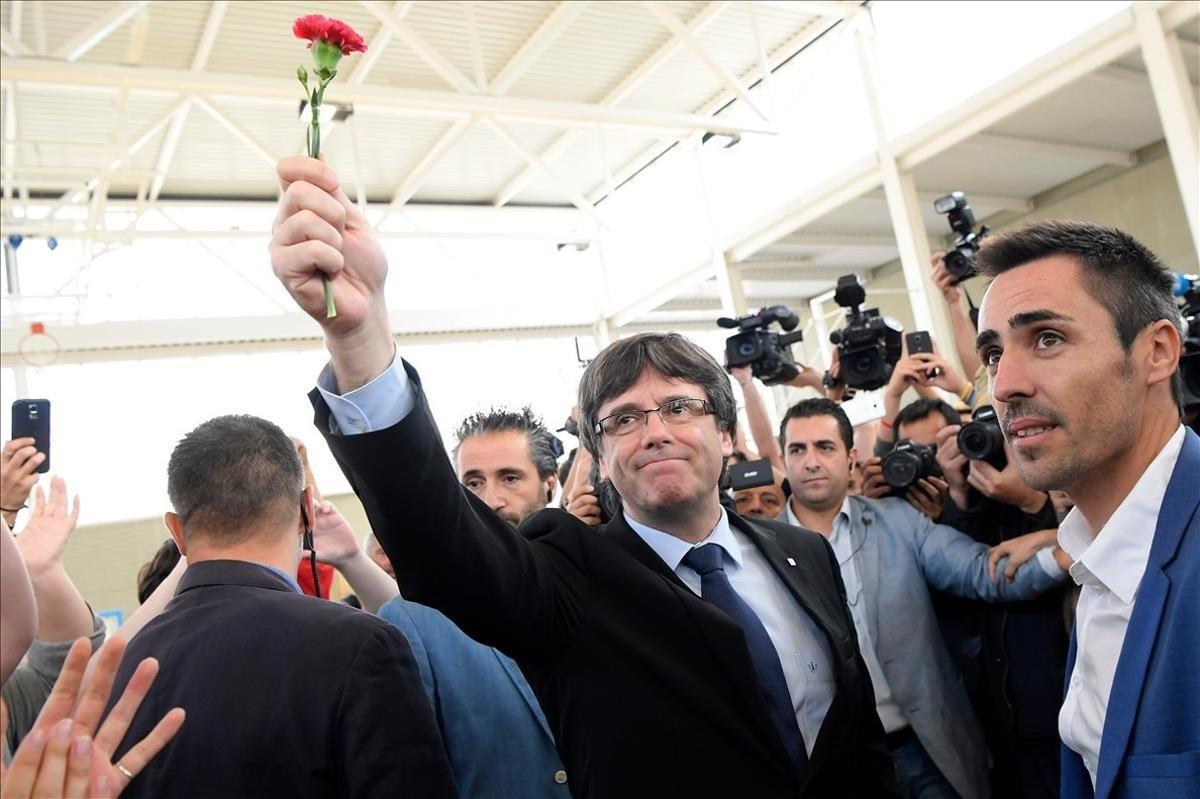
[{"x": 121, "y": 768}]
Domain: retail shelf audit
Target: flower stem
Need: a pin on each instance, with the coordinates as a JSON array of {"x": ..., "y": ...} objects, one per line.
[{"x": 314, "y": 151}]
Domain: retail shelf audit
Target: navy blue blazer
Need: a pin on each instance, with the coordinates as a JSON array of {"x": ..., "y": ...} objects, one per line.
[
  {"x": 1150, "y": 748},
  {"x": 496, "y": 737}
]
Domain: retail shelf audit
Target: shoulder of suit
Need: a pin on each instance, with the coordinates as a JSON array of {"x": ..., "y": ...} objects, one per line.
[{"x": 786, "y": 533}]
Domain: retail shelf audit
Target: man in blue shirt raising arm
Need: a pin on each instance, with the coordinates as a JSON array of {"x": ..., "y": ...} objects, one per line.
[{"x": 679, "y": 650}]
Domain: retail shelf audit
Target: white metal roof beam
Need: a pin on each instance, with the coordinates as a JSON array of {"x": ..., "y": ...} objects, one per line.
[
  {"x": 834, "y": 9},
  {"x": 979, "y": 199},
  {"x": 16, "y": 16},
  {"x": 550, "y": 29},
  {"x": 577, "y": 199},
  {"x": 781, "y": 54},
  {"x": 672, "y": 23},
  {"x": 425, "y": 51},
  {"x": 10, "y": 135},
  {"x": 137, "y": 37},
  {"x": 166, "y": 153},
  {"x": 615, "y": 95},
  {"x": 414, "y": 102},
  {"x": 253, "y": 143},
  {"x": 11, "y": 44},
  {"x": 880, "y": 240},
  {"x": 99, "y": 30},
  {"x": 379, "y": 42},
  {"x": 1052, "y": 149},
  {"x": 553, "y": 26},
  {"x": 39, "y": 27}
]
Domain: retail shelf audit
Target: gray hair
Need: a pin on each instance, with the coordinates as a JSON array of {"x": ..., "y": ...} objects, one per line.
[{"x": 618, "y": 367}]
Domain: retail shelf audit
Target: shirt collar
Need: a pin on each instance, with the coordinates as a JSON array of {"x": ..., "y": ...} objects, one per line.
[
  {"x": 1116, "y": 556},
  {"x": 672, "y": 550},
  {"x": 291, "y": 579},
  {"x": 842, "y": 520}
]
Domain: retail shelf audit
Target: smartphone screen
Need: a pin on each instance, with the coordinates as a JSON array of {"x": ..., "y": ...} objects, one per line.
[{"x": 31, "y": 419}]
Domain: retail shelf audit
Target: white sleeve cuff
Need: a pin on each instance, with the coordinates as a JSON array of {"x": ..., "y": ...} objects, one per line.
[
  {"x": 1045, "y": 559},
  {"x": 379, "y": 404}
]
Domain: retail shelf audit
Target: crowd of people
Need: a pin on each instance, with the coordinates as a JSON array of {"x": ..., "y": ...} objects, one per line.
[{"x": 616, "y": 621}]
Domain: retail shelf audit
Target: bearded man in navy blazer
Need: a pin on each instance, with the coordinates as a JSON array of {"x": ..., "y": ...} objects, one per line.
[
  {"x": 678, "y": 651},
  {"x": 1081, "y": 339}
]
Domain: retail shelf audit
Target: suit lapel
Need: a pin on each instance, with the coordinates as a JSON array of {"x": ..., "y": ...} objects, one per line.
[
  {"x": 1178, "y": 505},
  {"x": 514, "y": 673},
  {"x": 724, "y": 636}
]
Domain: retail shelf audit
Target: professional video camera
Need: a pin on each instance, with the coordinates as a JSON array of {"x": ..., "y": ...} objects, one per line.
[
  {"x": 981, "y": 440},
  {"x": 1187, "y": 288},
  {"x": 907, "y": 463},
  {"x": 766, "y": 353},
  {"x": 960, "y": 261},
  {"x": 869, "y": 345}
]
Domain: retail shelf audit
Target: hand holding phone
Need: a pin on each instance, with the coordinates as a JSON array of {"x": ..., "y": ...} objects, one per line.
[
  {"x": 920, "y": 341},
  {"x": 31, "y": 419}
]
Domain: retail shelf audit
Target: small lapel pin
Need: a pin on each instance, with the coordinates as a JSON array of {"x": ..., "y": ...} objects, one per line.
[{"x": 791, "y": 561}]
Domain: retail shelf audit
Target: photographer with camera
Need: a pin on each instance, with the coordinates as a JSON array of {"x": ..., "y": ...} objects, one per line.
[
  {"x": 1023, "y": 645},
  {"x": 889, "y": 554}
]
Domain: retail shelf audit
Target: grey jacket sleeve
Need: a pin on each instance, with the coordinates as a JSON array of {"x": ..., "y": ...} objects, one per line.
[
  {"x": 956, "y": 563},
  {"x": 30, "y": 685}
]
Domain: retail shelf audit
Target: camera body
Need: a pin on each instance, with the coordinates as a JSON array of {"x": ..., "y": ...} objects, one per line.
[
  {"x": 870, "y": 344},
  {"x": 960, "y": 259},
  {"x": 907, "y": 463},
  {"x": 981, "y": 438},
  {"x": 767, "y": 353}
]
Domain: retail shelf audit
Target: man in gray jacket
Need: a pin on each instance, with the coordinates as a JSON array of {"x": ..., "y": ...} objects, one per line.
[{"x": 890, "y": 555}]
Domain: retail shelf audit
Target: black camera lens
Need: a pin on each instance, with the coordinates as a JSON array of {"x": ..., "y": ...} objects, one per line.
[
  {"x": 746, "y": 349},
  {"x": 982, "y": 440},
  {"x": 960, "y": 264},
  {"x": 901, "y": 469}
]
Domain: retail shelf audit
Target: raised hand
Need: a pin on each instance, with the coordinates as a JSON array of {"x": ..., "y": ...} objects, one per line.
[
  {"x": 584, "y": 505},
  {"x": 319, "y": 232},
  {"x": 953, "y": 464},
  {"x": 44, "y": 538},
  {"x": 333, "y": 536},
  {"x": 926, "y": 496},
  {"x": 44, "y": 766}
]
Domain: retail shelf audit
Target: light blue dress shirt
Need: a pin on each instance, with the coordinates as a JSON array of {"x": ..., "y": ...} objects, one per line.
[
  {"x": 291, "y": 578},
  {"x": 801, "y": 645},
  {"x": 803, "y": 651}
]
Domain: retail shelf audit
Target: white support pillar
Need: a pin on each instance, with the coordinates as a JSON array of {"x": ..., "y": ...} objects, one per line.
[
  {"x": 604, "y": 333},
  {"x": 904, "y": 208},
  {"x": 816, "y": 307},
  {"x": 1173, "y": 95},
  {"x": 729, "y": 283}
]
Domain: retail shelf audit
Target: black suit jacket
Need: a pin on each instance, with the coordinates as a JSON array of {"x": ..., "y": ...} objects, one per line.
[
  {"x": 286, "y": 695},
  {"x": 650, "y": 690}
]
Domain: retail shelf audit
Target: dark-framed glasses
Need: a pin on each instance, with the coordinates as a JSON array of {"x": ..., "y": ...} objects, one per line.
[{"x": 672, "y": 412}]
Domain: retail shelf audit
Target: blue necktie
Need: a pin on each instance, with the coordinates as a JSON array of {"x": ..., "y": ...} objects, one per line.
[{"x": 707, "y": 561}]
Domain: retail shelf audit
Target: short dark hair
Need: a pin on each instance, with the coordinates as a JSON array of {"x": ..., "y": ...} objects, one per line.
[
  {"x": 1119, "y": 272},
  {"x": 502, "y": 420},
  {"x": 232, "y": 472},
  {"x": 155, "y": 570},
  {"x": 921, "y": 408},
  {"x": 817, "y": 406},
  {"x": 620, "y": 364}
]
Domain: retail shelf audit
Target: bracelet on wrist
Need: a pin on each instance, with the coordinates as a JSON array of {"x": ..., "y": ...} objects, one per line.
[{"x": 885, "y": 423}]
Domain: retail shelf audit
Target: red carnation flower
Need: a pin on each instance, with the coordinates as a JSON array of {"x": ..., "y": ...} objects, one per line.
[{"x": 316, "y": 27}]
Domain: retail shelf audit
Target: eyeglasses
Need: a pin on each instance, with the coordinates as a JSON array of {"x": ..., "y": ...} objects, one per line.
[{"x": 673, "y": 412}]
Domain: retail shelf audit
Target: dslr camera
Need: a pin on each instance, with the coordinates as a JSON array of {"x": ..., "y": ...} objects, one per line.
[
  {"x": 869, "y": 345},
  {"x": 960, "y": 261},
  {"x": 981, "y": 439},
  {"x": 768, "y": 354},
  {"x": 907, "y": 463}
]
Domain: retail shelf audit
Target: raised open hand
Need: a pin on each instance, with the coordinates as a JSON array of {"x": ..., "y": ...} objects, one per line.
[{"x": 43, "y": 539}]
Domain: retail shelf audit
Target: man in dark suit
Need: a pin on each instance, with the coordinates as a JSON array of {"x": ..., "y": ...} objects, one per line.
[
  {"x": 1081, "y": 339},
  {"x": 679, "y": 651},
  {"x": 287, "y": 695}
]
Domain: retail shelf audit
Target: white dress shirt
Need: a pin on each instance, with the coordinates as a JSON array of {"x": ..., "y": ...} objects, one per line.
[
  {"x": 890, "y": 714},
  {"x": 1109, "y": 566},
  {"x": 803, "y": 651}
]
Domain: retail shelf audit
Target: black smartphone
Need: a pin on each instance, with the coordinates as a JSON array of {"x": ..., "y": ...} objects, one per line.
[
  {"x": 919, "y": 341},
  {"x": 31, "y": 419}
]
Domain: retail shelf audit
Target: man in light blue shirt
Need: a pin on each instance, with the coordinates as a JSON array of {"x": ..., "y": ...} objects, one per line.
[{"x": 888, "y": 553}]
